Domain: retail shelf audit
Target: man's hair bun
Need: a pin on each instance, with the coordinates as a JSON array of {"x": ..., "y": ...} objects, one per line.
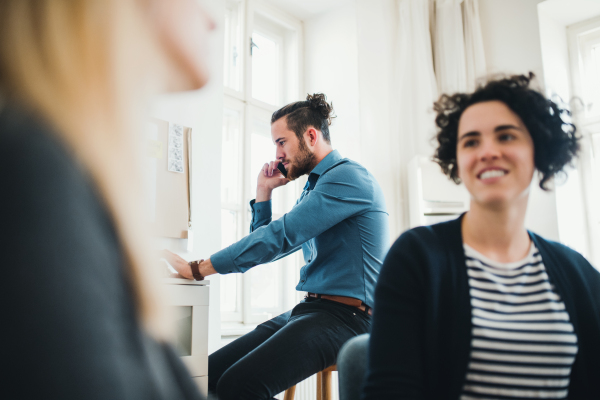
[
  {"x": 318, "y": 102},
  {"x": 315, "y": 111}
]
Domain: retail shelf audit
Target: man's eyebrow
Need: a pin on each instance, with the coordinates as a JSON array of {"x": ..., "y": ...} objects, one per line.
[{"x": 278, "y": 140}]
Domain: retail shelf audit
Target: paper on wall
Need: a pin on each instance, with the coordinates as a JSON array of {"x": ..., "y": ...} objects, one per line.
[{"x": 175, "y": 148}]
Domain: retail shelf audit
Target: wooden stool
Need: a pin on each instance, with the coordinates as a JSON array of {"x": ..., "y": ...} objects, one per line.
[{"x": 323, "y": 385}]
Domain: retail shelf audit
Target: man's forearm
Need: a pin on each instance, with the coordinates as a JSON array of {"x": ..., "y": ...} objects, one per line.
[{"x": 206, "y": 268}]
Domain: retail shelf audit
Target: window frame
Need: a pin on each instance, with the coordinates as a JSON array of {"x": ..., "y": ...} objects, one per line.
[
  {"x": 290, "y": 88},
  {"x": 588, "y": 126},
  {"x": 235, "y": 104}
]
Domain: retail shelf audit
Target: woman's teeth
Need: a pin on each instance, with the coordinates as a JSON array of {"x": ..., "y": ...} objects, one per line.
[{"x": 492, "y": 174}]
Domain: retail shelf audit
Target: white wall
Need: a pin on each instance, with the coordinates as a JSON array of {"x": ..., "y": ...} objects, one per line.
[
  {"x": 331, "y": 67},
  {"x": 511, "y": 37},
  {"x": 202, "y": 110},
  {"x": 338, "y": 60}
]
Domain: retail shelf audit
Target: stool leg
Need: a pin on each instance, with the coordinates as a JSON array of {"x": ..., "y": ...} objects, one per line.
[
  {"x": 290, "y": 393},
  {"x": 320, "y": 385},
  {"x": 326, "y": 386}
]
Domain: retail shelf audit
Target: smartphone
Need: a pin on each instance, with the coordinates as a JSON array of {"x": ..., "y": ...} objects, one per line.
[{"x": 281, "y": 169}]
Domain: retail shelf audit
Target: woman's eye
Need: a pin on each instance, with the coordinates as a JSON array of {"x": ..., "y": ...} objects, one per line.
[
  {"x": 505, "y": 137},
  {"x": 470, "y": 143}
]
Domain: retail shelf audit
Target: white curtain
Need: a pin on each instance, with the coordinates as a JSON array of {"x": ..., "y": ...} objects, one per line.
[
  {"x": 449, "y": 47},
  {"x": 474, "y": 53},
  {"x": 458, "y": 45}
]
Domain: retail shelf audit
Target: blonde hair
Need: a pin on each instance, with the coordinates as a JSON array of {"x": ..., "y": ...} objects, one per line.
[{"x": 82, "y": 65}]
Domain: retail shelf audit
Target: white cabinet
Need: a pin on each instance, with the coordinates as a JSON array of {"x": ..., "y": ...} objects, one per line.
[
  {"x": 189, "y": 311},
  {"x": 432, "y": 197}
]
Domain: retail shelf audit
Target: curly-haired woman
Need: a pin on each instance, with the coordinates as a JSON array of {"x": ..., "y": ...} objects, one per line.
[{"x": 480, "y": 307}]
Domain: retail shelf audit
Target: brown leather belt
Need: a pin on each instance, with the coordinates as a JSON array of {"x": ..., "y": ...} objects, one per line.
[{"x": 349, "y": 301}]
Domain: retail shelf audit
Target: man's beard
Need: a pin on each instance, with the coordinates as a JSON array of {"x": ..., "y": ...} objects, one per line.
[{"x": 303, "y": 164}]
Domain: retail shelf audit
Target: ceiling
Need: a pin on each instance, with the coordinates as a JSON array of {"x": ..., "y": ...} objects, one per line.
[
  {"x": 569, "y": 12},
  {"x": 306, "y": 9}
]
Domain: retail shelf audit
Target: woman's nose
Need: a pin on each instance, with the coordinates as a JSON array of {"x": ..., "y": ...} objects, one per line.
[{"x": 489, "y": 150}]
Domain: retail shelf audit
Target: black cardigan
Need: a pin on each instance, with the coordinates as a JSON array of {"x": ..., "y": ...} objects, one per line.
[
  {"x": 421, "y": 335},
  {"x": 68, "y": 328}
]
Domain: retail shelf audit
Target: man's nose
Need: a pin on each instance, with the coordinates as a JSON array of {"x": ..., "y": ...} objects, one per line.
[{"x": 279, "y": 154}]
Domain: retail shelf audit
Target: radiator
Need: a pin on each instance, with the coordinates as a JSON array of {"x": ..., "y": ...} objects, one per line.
[{"x": 307, "y": 389}]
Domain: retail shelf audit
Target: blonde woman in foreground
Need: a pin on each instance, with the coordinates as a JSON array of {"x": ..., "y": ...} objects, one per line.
[{"x": 80, "y": 319}]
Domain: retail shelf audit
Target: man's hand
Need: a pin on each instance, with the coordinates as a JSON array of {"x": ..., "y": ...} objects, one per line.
[
  {"x": 183, "y": 268},
  {"x": 269, "y": 178},
  {"x": 180, "y": 265}
]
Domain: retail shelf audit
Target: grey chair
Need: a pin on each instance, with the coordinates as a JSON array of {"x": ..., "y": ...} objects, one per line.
[{"x": 352, "y": 367}]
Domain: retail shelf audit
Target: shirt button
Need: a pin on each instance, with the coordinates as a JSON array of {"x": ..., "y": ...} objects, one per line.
[
  {"x": 258, "y": 211},
  {"x": 230, "y": 271},
  {"x": 302, "y": 280}
]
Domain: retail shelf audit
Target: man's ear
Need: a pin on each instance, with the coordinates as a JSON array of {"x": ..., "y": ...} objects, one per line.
[{"x": 312, "y": 135}]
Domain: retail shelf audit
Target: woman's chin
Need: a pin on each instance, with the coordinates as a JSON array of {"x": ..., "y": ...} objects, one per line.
[{"x": 492, "y": 201}]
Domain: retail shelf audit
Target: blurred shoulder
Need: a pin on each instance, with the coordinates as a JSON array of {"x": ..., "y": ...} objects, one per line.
[
  {"x": 444, "y": 236},
  {"x": 29, "y": 147},
  {"x": 565, "y": 254}
]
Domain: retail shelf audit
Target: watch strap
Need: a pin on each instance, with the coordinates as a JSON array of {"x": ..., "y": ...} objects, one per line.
[{"x": 196, "y": 270}]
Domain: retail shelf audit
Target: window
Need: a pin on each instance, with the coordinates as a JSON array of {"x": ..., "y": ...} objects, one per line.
[
  {"x": 261, "y": 73},
  {"x": 584, "y": 50}
]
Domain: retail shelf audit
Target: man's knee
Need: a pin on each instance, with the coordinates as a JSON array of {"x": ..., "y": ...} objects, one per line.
[{"x": 236, "y": 386}]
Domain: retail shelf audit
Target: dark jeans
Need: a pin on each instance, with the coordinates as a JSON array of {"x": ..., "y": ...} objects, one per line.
[{"x": 284, "y": 350}]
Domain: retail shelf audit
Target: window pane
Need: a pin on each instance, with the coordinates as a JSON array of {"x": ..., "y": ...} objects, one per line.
[
  {"x": 230, "y": 160},
  {"x": 262, "y": 151},
  {"x": 264, "y": 278},
  {"x": 265, "y": 69},
  {"x": 232, "y": 65},
  {"x": 265, "y": 286},
  {"x": 229, "y": 289},
  {"x": 592, "y": 84}
]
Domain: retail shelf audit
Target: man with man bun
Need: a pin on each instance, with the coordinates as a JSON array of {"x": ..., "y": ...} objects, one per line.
[{"x": 341, "y": 224}]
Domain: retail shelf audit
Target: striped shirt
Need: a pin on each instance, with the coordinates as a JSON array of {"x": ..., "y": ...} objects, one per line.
[{"x": 523, "y": 343}]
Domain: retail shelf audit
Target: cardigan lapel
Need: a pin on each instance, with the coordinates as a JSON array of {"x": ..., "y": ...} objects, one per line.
[
  {"x": 566, "y": 285},
  {"x": 460, "y": 349}
]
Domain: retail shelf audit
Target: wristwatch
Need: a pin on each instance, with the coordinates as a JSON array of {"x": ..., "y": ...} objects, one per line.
[{"x": 195, "y": 270}]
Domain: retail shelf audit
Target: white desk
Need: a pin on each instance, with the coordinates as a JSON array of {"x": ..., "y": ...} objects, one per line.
[{"x": 191, "y": 317}]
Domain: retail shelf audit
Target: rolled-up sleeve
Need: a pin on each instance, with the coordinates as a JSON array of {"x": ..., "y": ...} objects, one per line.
[
  {"x": 338, "y": 194},
  {"x": 261, "y": 214}
]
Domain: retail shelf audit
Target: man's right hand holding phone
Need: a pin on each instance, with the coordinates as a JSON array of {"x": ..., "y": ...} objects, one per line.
[{"x": 269, "y": 178}]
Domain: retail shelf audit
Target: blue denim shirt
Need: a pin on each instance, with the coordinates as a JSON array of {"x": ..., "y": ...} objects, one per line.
[{"x": 340, "y": 222}]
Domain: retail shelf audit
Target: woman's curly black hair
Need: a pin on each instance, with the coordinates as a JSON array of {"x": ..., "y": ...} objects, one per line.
[
  {"x": 314, "y": 111},
  {"x": 554, "y": 137}
]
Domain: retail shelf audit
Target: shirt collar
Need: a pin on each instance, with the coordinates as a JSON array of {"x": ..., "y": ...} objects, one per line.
[{"x": 326, "y": 163}]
